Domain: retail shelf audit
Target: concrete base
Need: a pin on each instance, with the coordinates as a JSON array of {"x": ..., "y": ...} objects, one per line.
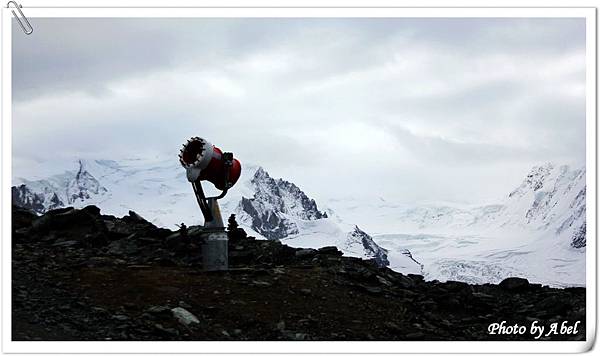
[{"x": 215, "y": 255}]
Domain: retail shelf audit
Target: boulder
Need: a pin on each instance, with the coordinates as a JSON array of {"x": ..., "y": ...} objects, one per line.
[
  {"x": 514, "y": 283},
  {"x": 184, "y": 316},
  {"x": 306, "y": 253},
  {"x": 92, "y": 210},
  {"x": 330, "y": 250}
]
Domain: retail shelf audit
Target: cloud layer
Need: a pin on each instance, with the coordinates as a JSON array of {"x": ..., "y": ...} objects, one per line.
[{"x": 411, "y": 109}]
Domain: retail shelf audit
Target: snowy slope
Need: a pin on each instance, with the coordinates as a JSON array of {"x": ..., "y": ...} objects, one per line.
[
  {"x": 551, "y": 199},
  {"x": 538, "y": 232},
  {"x": 478, "y": 259}
]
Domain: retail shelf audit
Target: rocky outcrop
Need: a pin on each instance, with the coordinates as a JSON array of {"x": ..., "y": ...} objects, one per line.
[
  {"x": 578, "y": 240},
  {"x": 373, "y": 250}
]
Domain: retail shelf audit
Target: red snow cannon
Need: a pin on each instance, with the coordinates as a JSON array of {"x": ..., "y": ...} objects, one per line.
[{"x": 204, "y": 161}]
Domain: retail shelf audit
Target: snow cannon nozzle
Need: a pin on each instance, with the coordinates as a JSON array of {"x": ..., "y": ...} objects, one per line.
[
  {"x": 192, "y": 152},
  {"x": 204, "y": 161}
]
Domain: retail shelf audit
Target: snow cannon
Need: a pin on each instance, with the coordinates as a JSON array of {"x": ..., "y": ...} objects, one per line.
[{"x": 204, "y": 161}]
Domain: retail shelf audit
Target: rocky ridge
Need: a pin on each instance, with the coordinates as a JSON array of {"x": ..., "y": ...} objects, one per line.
[{"x": 80, "y": 275}]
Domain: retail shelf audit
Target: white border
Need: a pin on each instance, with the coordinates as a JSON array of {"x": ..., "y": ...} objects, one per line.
[{"x": 289, "y": 346}]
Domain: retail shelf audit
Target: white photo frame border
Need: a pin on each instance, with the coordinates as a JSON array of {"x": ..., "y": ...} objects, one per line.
[{"x": 10, "y": 346}]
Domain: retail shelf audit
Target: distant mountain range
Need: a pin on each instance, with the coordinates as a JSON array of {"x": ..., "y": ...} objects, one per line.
[
  {"x": 538, "y": 231},
  {"x": 543, "y": 218}
]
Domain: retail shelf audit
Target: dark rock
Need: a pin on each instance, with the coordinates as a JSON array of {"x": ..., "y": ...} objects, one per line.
[
  {"x": 415, "y": 335},
  {"x": 22, "y": 217},
  {"x": 65, "y": 243},
  {"x": 330, "y": 250},
  {"x": 184, "y": 316},
  {"x": 485, "y": 297},
  {"x": 405, "y": 282},
  {"x": 455, "y": 286},
  {"x": 159, "y": 309},
  {"x": 261, "y": 283},
  {"x": 120, "y": 317},
  {"x": 165, "y": 261},
  {"x": 184, "y": 305},
  {"x": 173, "y": 240},
  {"x": 553, "y": 305},
  {"x": 169, "y": 331},
  {"x": 123, "y": 247},
  {"x": 371, "y": 290},
  {"x": 71, "y": 224},
  {"x": 135, "y": 217},
  {"x": 237, "y": 258},
  {"x": 306, "y": 253},
  {"x": 305, "y": 291},
  {"x": 96, "y": 239},
  {"x": 92, "y": 210},
  {"x": 299, "y": 336},
  {"x": 514, "y": 284},
  {"x": 392, "y": 326}
]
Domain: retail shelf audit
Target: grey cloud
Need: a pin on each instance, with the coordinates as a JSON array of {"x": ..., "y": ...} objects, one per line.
[{"x": 308, "y": 97}]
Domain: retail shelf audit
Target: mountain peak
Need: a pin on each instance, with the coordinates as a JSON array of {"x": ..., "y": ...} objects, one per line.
[
  {"x": 260, "y": 174},
  {"x": 275, "y": 206},
  {"x": 84, "y": 186},
  {"x": 260, "y": 171},
  {"x": 357, "y": 230}
]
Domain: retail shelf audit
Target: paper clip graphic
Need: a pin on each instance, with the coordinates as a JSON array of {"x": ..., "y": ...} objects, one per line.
[{"x": 20, "y": 17}]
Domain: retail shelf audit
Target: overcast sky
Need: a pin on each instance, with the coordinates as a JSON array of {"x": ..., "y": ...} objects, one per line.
[{"x": 409, "y": 109}]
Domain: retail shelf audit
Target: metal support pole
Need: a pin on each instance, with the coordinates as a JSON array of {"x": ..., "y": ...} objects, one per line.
[{"x": 215, "y": 255}]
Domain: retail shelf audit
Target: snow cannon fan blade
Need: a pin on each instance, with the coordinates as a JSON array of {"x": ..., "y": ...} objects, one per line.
[{"x": 204, "y": 161}]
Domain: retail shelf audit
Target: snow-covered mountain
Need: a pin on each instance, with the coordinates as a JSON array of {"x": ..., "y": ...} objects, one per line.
[
  {"x": 275, "y": 205},
  {"x": 551, "y": 200},
  {"x": 537, "y": 231},
  {"x": 158, "y": 190},
  {"x": 278, "y": 209}
]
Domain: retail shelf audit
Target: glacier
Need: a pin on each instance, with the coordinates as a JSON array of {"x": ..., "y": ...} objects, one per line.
[{"x": 537, "y": 231}]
